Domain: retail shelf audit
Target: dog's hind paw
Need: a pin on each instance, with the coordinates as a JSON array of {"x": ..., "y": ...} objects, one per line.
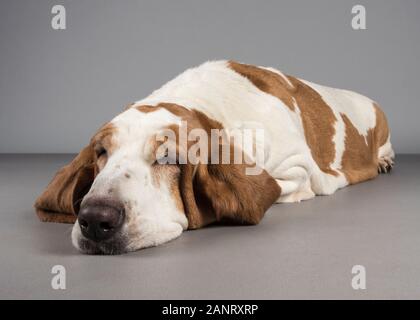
[{"x": 385, "y": 164}]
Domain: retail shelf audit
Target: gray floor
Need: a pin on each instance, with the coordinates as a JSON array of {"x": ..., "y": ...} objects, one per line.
[{"x": 304, "y": 250}]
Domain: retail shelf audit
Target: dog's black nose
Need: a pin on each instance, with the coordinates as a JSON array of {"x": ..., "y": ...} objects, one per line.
[{"x": 100, "y": 220}]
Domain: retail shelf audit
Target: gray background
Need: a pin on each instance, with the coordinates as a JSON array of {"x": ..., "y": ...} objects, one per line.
[{"x": 57, "y": 87}]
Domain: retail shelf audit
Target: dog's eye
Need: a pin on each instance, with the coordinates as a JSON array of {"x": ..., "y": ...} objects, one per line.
[{"x": 100, "y": 152}]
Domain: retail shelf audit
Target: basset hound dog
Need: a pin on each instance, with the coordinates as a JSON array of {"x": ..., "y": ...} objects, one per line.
[{"x": 121, "y": 198}]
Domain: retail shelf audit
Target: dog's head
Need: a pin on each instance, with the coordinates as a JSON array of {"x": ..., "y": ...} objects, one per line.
[{"x": 135, "y": 184}]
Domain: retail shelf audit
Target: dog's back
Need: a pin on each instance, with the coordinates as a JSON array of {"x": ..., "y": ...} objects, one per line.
[{"x": 319, "y": 139}]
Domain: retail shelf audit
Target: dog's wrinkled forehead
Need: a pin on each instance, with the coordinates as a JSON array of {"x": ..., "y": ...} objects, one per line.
[{"x": 135, "y": 126}]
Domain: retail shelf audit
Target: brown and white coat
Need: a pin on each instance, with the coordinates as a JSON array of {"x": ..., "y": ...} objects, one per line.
[{"x": 316, "y": 140}]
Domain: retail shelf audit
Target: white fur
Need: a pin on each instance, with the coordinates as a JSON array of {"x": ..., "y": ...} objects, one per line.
[{"x": 386, "y": 150}]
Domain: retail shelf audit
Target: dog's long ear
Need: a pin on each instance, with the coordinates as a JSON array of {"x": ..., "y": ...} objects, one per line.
[
  {"x": 61, "y": 199},
  {"x": 217, "y": 192}
]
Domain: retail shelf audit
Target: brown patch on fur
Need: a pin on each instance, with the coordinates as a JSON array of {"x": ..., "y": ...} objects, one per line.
[
  {"x": 146, "y": 108},
  {"x": 317, "y": 117},
  {"x": 225, "y": 191},
  {"x": 103, "y": 137},
  {"x": 318, "y": 122},
  {"x": 360, "y": 157},
  {"x": 267, "y": 81},
  {"x": 103, "y": 140},
  {"x": 61, "y": 199},
  {"x": 176, "y": 109}
]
